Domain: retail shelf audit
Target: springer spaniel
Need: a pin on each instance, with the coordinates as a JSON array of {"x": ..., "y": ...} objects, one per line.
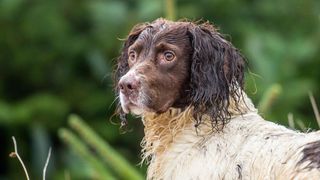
[{"x": 186, "y": 82}]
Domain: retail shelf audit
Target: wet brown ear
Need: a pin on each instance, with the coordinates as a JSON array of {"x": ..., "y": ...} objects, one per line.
[{"x": 216, "y": 73}]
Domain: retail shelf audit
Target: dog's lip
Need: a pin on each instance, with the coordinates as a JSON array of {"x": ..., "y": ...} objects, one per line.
[
  {"x": 132, "y": 108},
  {"x": 127, "y": 104}
]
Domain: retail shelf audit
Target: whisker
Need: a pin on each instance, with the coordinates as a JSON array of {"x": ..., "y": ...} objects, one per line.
[
  {"x": 115, "y": 99},
  {"x": 105, "y": 77}
]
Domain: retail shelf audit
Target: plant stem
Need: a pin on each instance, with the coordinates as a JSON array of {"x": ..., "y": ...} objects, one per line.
[
  {"x": 170, "y": 9},
  {"x": 46, "y": 164},
  {"x": 315, "y": 108},
  {"x": 269, "y": 98},
  {"x": 76, "y": 144},
  {"x": 113, "y": 158},
  {"x": 17, "y": 154}
]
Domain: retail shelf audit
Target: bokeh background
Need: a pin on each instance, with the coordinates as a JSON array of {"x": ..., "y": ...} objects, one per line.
[{"x": 57, "y": 56}]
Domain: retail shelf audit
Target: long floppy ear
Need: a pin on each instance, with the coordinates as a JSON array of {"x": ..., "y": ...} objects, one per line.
[
  {"x": 216, "y": 75},
  {"x": 122, "y": 66}
]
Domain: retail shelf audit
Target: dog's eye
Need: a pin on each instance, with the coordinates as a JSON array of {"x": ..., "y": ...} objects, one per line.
[
  {"x": 132, "y": 55},
  {"x": 169, "y": 55}
]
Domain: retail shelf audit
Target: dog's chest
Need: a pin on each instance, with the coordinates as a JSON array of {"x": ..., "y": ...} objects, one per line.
[
  {"x": 197, "y": 158},
  {"x": 193, "y": 155},
  {"x": 245, "y": 151}
]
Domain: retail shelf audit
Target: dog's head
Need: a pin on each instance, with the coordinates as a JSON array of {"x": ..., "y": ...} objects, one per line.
[{"x": 167, "y": 64}]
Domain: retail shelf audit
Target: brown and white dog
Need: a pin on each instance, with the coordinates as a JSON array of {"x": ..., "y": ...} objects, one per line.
[{"x": 186, "y": 82}]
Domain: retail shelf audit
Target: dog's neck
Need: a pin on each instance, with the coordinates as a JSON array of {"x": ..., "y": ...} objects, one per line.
[{"x": 162, "y": 129}]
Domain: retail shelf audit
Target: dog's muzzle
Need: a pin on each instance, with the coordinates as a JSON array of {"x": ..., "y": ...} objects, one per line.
[{"x": 129, "y": 86}]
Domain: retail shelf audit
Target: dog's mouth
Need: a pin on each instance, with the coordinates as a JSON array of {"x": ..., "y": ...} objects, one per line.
[
  {"x": 130, "y": 104},
  {"x": 139, "y": 103}
]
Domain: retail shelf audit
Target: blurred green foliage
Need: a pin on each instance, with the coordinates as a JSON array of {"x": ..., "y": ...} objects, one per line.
[
  {"x": 57, "y": 56},
  {"x": 112, "y": 159}
]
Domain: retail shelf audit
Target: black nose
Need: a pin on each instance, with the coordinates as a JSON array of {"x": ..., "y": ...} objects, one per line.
[{"x": 128, "y": 85}]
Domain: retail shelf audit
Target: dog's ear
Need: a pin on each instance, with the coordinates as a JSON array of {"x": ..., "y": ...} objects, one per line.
[
  {"x": 216, "y": 74},
  {"x": 122, "y": 62}
]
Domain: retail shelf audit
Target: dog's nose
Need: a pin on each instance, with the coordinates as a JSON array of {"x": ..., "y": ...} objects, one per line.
[{"x": 128, "y": 84}]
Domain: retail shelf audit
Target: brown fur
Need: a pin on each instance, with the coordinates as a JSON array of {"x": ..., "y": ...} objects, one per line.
[{"x": 206, "y": 74}]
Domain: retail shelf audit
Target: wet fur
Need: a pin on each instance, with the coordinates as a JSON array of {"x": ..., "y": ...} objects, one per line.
[{"x": 212, "y": 130}]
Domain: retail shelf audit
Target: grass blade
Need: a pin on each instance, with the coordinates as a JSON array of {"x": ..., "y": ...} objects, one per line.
[{"x": 111, "y": 156}]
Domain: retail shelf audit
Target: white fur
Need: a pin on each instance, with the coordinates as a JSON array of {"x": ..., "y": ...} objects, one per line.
[{"x": 248, "y": 147}]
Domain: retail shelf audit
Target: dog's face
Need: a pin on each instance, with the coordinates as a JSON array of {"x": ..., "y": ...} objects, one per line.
[
  {"x": 177, "y": 64},
  {"x": 159, "y": 64}
]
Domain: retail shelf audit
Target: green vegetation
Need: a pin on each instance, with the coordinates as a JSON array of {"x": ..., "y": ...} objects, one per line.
[
  {"x": 57, "y": 56},
  {"x": 115, "y": 161},
  {"x": 99, "y": 169}
]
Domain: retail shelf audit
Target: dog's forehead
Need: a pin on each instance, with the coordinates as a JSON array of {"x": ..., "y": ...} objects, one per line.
[
  {"x": 153, "y": 29},
  {"x": 161, "y": 28}
]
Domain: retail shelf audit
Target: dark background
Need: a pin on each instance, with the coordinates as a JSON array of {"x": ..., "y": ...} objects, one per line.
[{"x": 57, "y": 56}]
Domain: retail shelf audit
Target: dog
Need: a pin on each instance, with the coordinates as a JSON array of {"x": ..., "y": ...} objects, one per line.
[{"x": 186, "y": 83}]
